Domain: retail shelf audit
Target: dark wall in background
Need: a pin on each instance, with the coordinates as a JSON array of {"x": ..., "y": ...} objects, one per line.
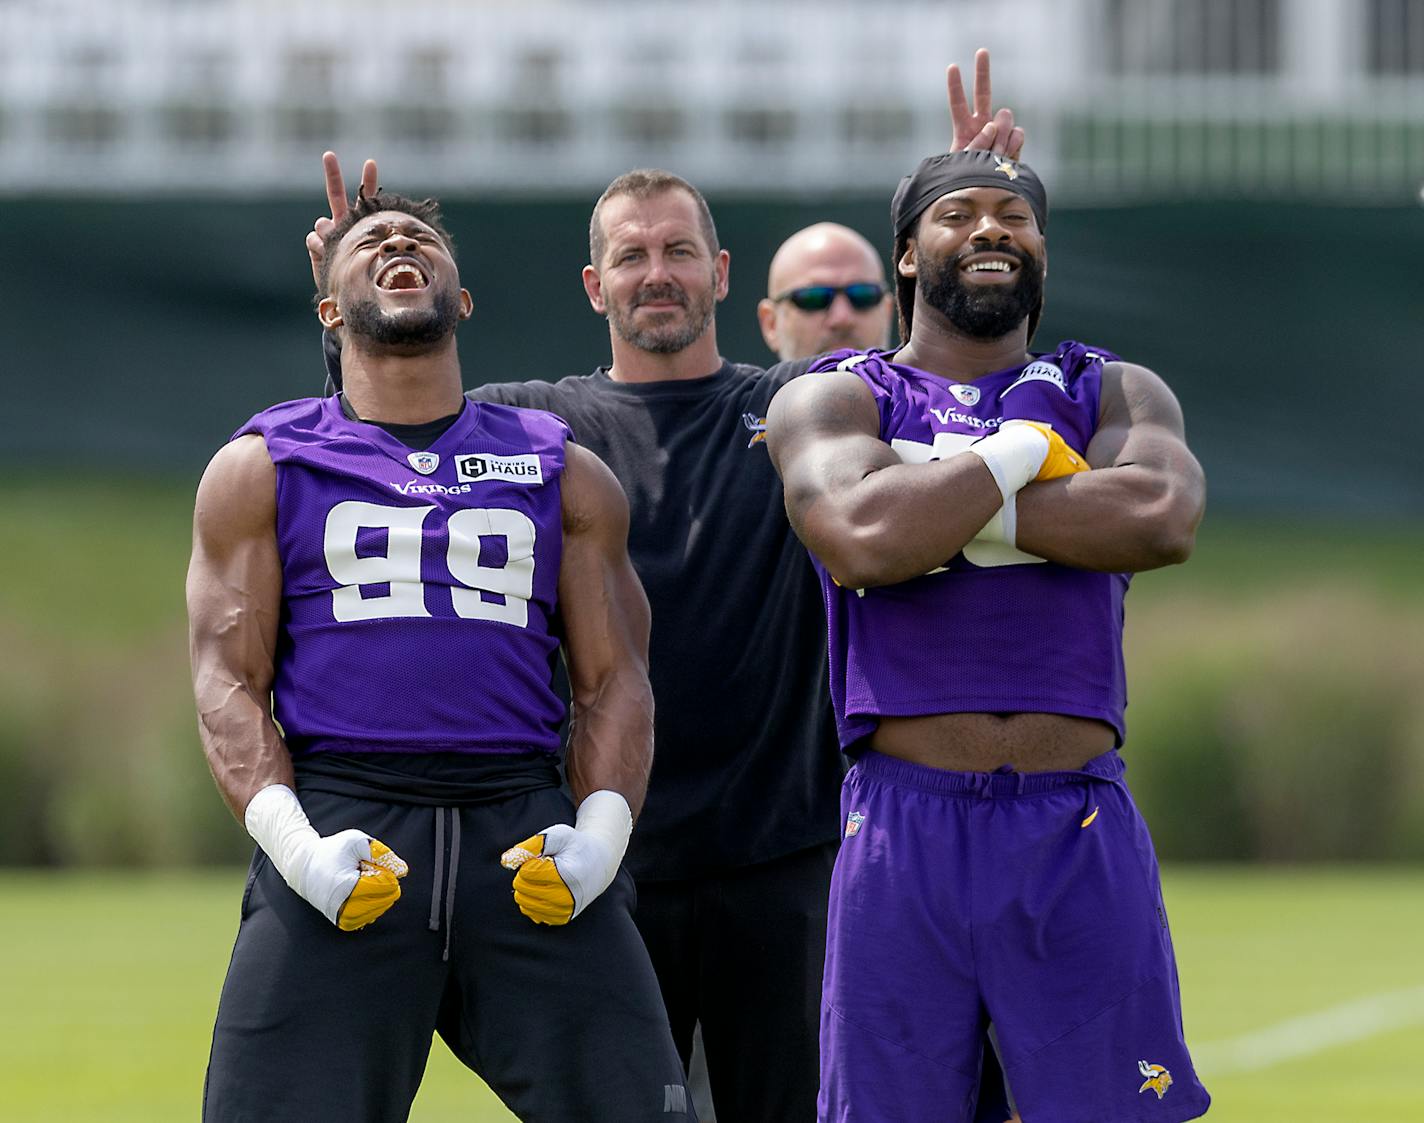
[{"x": 139, "y": 334}]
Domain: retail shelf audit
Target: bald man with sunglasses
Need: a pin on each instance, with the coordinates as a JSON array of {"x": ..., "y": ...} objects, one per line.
[{"x": 825, "y": 290}]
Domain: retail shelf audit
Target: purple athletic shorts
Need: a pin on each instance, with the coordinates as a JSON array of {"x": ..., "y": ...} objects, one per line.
[{"x": 1027, "y": 899}]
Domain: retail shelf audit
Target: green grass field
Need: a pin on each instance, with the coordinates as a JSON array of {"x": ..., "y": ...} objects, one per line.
[{"x": 110, "y": 982}]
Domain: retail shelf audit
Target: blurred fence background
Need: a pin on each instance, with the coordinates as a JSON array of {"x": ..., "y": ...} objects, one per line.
[
  {"x": 1236, "y": 191},
  {"x": 1127, "y": 98}
]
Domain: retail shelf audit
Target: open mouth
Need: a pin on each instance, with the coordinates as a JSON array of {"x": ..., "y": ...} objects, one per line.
[
  {"x": 990, "y": 266},
  {"x": 401, "y": 274}
]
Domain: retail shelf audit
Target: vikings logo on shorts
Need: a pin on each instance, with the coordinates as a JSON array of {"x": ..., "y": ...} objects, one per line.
[{"x": 1158, "y": 1078}]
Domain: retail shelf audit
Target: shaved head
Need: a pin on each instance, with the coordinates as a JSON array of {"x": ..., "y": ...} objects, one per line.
[
  {"x": 823, "y": 247},
  {"x": 832, "y": 255}
]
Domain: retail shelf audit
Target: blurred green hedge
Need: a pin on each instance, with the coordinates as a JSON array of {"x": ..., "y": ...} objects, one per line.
[
  {"x": 1277, "y": 686},
  {"x": 1287, "y": 729}
]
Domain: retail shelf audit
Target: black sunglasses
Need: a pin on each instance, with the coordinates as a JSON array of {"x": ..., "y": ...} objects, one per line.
[{"x": 817, "y": 298}]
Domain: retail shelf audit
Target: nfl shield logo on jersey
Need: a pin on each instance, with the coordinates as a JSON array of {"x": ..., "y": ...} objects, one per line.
[
  {"x": 854, "y": 821},
  {"x": 965, "y": 394},
  {"x": 424, "y": 462}
]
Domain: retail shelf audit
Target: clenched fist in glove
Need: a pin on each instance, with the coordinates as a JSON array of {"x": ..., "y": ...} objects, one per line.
[
  {"x": 560, "y": 870},
  {"x": 349, "y": 877}
]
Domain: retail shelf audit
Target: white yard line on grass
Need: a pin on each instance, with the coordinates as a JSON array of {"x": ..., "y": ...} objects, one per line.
[{"x": 1344, "y": 1024}]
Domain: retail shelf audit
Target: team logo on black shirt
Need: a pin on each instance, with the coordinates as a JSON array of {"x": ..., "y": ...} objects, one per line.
[{"x": 757, "y": 426}]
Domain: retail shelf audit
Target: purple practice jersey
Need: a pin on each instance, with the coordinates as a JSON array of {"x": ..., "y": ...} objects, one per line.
[
  {"x": 418, "y": 588},
  {"x": 994, "y": 630}
]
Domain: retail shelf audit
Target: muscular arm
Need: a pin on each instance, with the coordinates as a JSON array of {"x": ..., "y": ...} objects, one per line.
[
  {"x": 869, "y": 518},
  {"x": 606, "y": 624},
  {"x": 1140, "y": 506},
  {"x": 234, "y": 597}
]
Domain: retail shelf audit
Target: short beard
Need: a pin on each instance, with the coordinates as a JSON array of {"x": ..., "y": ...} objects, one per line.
[
  {"x": 664, "y": 339},
  {"x": 982, "y": 311},
  {"x": 412, "y": 329}
]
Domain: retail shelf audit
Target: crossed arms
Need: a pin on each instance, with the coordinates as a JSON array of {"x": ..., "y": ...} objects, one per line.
[{"x": 873, "y": 520}]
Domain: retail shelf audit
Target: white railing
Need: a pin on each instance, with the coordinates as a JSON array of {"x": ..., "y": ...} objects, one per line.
[{"x": 1123, "y": 98}]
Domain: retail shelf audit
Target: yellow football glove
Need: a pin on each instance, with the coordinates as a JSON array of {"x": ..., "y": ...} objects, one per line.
[
  {"x": 560, "y": 870},
  {"x": 377, "y": 888},
  {"x": 540, "y": 892},
  {"x": 1021, "y": 451},
  {"x": 1062, "y": 458}
]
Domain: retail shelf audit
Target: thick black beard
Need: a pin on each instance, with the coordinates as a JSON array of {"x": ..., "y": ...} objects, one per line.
[
  {"x": 412, "y": 328},
  {"x": 669, "y": 339},
  {"x": 982, "y": 311}
]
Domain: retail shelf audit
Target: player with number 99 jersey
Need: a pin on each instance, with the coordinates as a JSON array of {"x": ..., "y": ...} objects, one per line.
[{"x": 418, "y": 588}]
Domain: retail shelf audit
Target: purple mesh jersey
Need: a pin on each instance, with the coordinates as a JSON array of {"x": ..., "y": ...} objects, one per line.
[
  {"x": 994, "y": 630},
  {"x": 417, "y": 587}
]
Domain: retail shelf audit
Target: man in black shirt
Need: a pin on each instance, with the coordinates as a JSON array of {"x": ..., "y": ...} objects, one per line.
[{"x": 733, "y": 851}]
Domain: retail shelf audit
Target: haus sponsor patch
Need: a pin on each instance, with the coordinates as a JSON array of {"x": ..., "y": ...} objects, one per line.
[{"x": 479, "y": 467}]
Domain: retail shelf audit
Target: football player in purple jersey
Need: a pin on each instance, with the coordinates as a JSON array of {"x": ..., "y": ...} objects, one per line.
[
  {"x": 832, "y": 294},
  {"x": 974, "y": 510},
  {"x": 380, "y": 581}
]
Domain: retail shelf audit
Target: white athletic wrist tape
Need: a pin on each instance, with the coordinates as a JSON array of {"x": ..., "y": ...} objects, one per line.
[
  {"x": 588, "y": 853},
  {"x": 605, "y": 814},
  {"x": 321, "y": 869},
  {"x": 275, "y": 820},
  {"x": 1013, "y": 455},
  {"x": 1004, "y": 526}
]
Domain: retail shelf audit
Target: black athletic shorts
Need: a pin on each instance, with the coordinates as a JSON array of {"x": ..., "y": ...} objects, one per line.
[{"x": 564, "y": 1023}]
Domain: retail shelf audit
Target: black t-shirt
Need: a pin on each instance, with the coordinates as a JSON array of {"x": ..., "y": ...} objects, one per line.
[{"x": 745, "y": 766}]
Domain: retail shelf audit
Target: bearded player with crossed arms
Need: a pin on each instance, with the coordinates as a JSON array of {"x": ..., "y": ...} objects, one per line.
[{"x": 994, "y": 866}]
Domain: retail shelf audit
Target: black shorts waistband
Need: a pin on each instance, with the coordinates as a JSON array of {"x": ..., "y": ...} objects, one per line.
[{"x": 427, "y": 779}]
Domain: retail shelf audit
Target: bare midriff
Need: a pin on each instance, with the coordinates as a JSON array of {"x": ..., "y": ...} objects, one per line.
[{"x": 985, "y": 742}]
